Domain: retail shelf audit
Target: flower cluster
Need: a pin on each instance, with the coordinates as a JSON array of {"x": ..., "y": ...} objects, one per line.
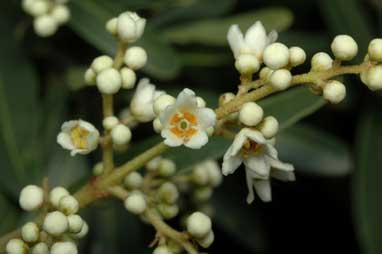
[
  {"x": 60, "y": 226},
  {"x": 48, "y": 15}
]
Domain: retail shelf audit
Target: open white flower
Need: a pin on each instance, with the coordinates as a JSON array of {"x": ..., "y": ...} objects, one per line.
[
  {"x": 260, "y": 160},
  {"x": 254, "y": 42},
  {"x": 186, "y": 123},
  {"x": 78, "y": 136},
  {"x": 141, "y": 105}
]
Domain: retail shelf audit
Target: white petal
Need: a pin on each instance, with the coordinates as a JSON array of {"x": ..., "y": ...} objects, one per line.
[
  {"x": 258, "y": 164},
  {"x": 140, "y": 26},
  {"x": 235, "y": 39},
  {"x": 272, "y": 37},
  {"x": 256, "y": 38},
  {"x": 65, "y": 141},
  {"x": 197, "y": 140},
  {"x": 271, "y": 151},
  {"x": 206, "y": 117},
  {"x": 187, "y": 100},
  {"x": 87, "y": 126},
  {"x": 263, "y": 189},
  {"x": 230, "y": 164},
  {"x": 141, "y": 105},
  {"x": 69, "y": 125},
  {"x": 92, "y": 140},
  {"x": 249, "y": 180},
  {"x": 283, "y": 175},
  {"x": 279, "y": 164},
  {"x": 166, "y": 114},
  {"x": 170, "y": 138},
  {"x": 254, "y": 135}
]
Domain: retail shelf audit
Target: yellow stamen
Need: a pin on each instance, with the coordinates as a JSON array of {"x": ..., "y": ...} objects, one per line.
[
  {"x": 79, "y": 137},
  {"x": 183, "y": 125}
]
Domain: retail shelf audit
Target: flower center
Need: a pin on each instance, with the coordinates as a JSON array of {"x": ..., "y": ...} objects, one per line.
[
  {"x": 250, "y": 148},
  {"x": 184, "y": 125},
  {"x": 79, "y": 137}
]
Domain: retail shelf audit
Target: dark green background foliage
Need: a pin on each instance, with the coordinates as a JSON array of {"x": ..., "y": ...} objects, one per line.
[{"x": 335, "y": 205}]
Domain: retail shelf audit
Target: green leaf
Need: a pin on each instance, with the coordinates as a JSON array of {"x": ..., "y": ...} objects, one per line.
[
  {"x": 310, "y": 42},
  {"x": 367, "y": 186},
  {"x": 314, "y": 151},
  {"x": 213, "y": 32},
  {"x": 89, "y": 19},
  {"x": 9, "y": 215}
]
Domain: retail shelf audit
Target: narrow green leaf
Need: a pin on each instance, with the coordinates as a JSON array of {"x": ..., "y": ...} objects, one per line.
[
  {"x": 367, "y": 186},
  {"x": 213, "y": 32},
  {"x": 314, "y": 152}
]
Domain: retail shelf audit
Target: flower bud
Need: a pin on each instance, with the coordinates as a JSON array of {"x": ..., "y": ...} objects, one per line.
[
  {"x": 61, "y": 14},
  {"x": 162, "y": 102},
  {"x": 135, "y": 203},
  {"x": 200, "y": 175},
  {"x": 157, "y": 125},
  {"x": 297, "y": 56},
  {"x": 75, "y": 223},
  {"x": 251, "y": 114},
  {"x": 109, "y": 81},
  {"x": 321, "y": 62},
  {"x": 334, "y": 91},
  {"x": 90, "y": 77},
  {"x": 269, "y": 127},
  {"x": 68, "y": 205},
  {"x": 168, "y": 193},
  {"x": 30, "y": 232},
  {"x": 64, "y": 247},
  {"x": 225, "y": 98},
  {"x": 121, "y": 134},
  {"x": 153, "y": 164},
  {"x": 84, "y": 231},
  {"x": 198, "y": 225},
  {"x": 280, "y": 79},
  {"x": 265, "y": 73},
  {"x": 201, "y": 102},
  {"x": 55, "y": 223},
  {"x": 102, "y": 63},
  {"x": 37, "y": 8},
  {"x": 98, "y": 169},
  {"x": 112, "y": 26},
  {"x": 374, "y": 78},
  {"x": 276, "y": 56},
  {"x": 202, "y": 194},
  {"x": 40, "y": 248},
  {"x": 168, "y": 211},
  {"x": 375, "y": 50},
  {"x": 214, "y": 173},
  {"x": 110, "y": 122},
  {"x": 135, "y": 57},
  {"x": 31, "y": 198},
  {"x": 128, "y": 78},
  {"x": 166, "y": 167},
  {"x": 134, "y": 180},
  {"x": 45, "y": 25},
  {"x": 344, "y": 47},
  {"x": 56, "y": 194},
  {"x": 210, "y": 131},
  {"x": 247, "y": 64},
  {"x": 174, "y": 247},
  {"x": 16, "y": 246},
  {"x": 162, "y": 250},
  {"x": 206, "y": 241},
  {"x": 130, "y": 27}
]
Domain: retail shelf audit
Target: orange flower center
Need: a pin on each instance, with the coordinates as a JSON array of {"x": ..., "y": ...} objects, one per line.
[
  {"x": 79, "y": 137},
  {"x": 250, "y": 147},
  {"x": 184, "y": 125}
]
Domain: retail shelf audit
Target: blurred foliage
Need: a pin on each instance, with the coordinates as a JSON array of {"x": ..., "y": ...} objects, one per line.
[{"x": 41, "y": 86}]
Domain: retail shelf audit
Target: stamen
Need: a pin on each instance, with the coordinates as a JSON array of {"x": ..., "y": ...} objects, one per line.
[{"x": 79, "y": 137}]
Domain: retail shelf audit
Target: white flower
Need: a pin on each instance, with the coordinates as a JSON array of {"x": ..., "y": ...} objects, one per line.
[
  {"x": 186, "y": 123},
  {"x": 258, "y": 155},
  {"x": 254, "y": 42},
  {"x": 130, "y": 26},
  {"x": 78, "y": 136},
  {"x": 141, "y": 105}
]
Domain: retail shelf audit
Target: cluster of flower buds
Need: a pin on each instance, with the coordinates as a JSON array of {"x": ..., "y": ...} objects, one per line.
[
  {"x": 48, "y": 15},
  {"x": 60, "y": 226},
  {"x": 372, "y": 77}
]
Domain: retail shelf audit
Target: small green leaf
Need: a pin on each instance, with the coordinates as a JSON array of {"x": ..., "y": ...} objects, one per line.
[
  {"x": 314, "y": 152},
  {"x": 214, "y": 32},
  {"x": 367, "y": 186}
]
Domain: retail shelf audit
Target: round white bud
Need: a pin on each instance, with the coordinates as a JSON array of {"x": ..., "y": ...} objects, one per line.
[
  {"x": 153, "y": 164},
  {"x": 202, "y": 194},
  {"x": 251, "y": 114},
  {"x": 201, "y": 102},
  {"x": 101, "y": 63},
  {"x": 344, "y": 47},
  {"x": 280, "y": 79},
  {"x": 56, "y": 194},
  {"x": 90, "y": 77},
  {"x": 31, "y": 198},
  {"x": 168, "y": 211},
  {"x": 128, "y": 78},
  {"x": 38, "y": 7},
  {"x": 111, "y": 26},
  {"x": 40, "y": 248},
  {"x": 321, "y": 61},
  {"x": 198, "y": 225},
  {"x": 265, "y": 73},
  {"x": 225, "y": 98},
  {"x": 157, "y": 125},
  {"x": 215, "y": 176},
  {"x": 30, "y": 232},
  {"x": 130, "y": 26},
  {"x": 121, "y": 134},
  {"x": 98, "y": 169},
  {"x": 247, "y": 64},
  {"x": 75, "y": 223},
  {"x": 64, "y": 248},
  {"x": 84, "y": 231},
  {"x": 168, "y": 193},
  {"x": 135, "y": 57},
  {"x": 206, "y": 241},
  {"x": 16, "y": 246},
  {"x": 166, "y": 167},
  {"x": 61, "y": 14},
  {"x": 276, "y": 56},
  {"x": 174, "y": 247},
  {"x": 134, "y": 180},
  {"x": 110, "y": 122},
  {"x": 210, "y": 131},
  {"x": 55, "y": 223},
  {"x": 297, "y": 56},
  {"x": 269, "y": 127},
  {"x": 162, "y": 250},
  {"x": 162, "y": 102},
  {"x": 45, "y": 25},
  {"x": 334, "y": 91},
  {"x": 375, "y": 50},
  {"x": 68, "y": 205},
  {"x": 109, "y": 81},
  {"x": 135, "y": 203},
  {"x": 200, "y": 175},
  {"x": 374, "y": 78}
]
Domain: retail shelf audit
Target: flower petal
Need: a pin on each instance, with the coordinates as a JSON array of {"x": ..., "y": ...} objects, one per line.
[
  {"x": 197, "y": 140},
  {"x": 69, "y": 125},
  {"x": 230, "y": 164},
  {"x": 254, "y": 135},
  {"x": 263, "y": 189},
  {"x": 251, "y": 194},
  {"x": 65, "y": 141},
  {"x": 256, "y": 38},
  {"x": 235, "y": 39},
  {"x": 166, "y": 114},
  {"x": 258, "y": 164},
  {"x": 186, "y": 99},
  {"x": 283, "y": 175},
  {"x": 277, "y": 164},
  {"x": 272, "y": 37},
  {"x": 206, "y": 117},
  {"x": 170, "y": 138}
]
